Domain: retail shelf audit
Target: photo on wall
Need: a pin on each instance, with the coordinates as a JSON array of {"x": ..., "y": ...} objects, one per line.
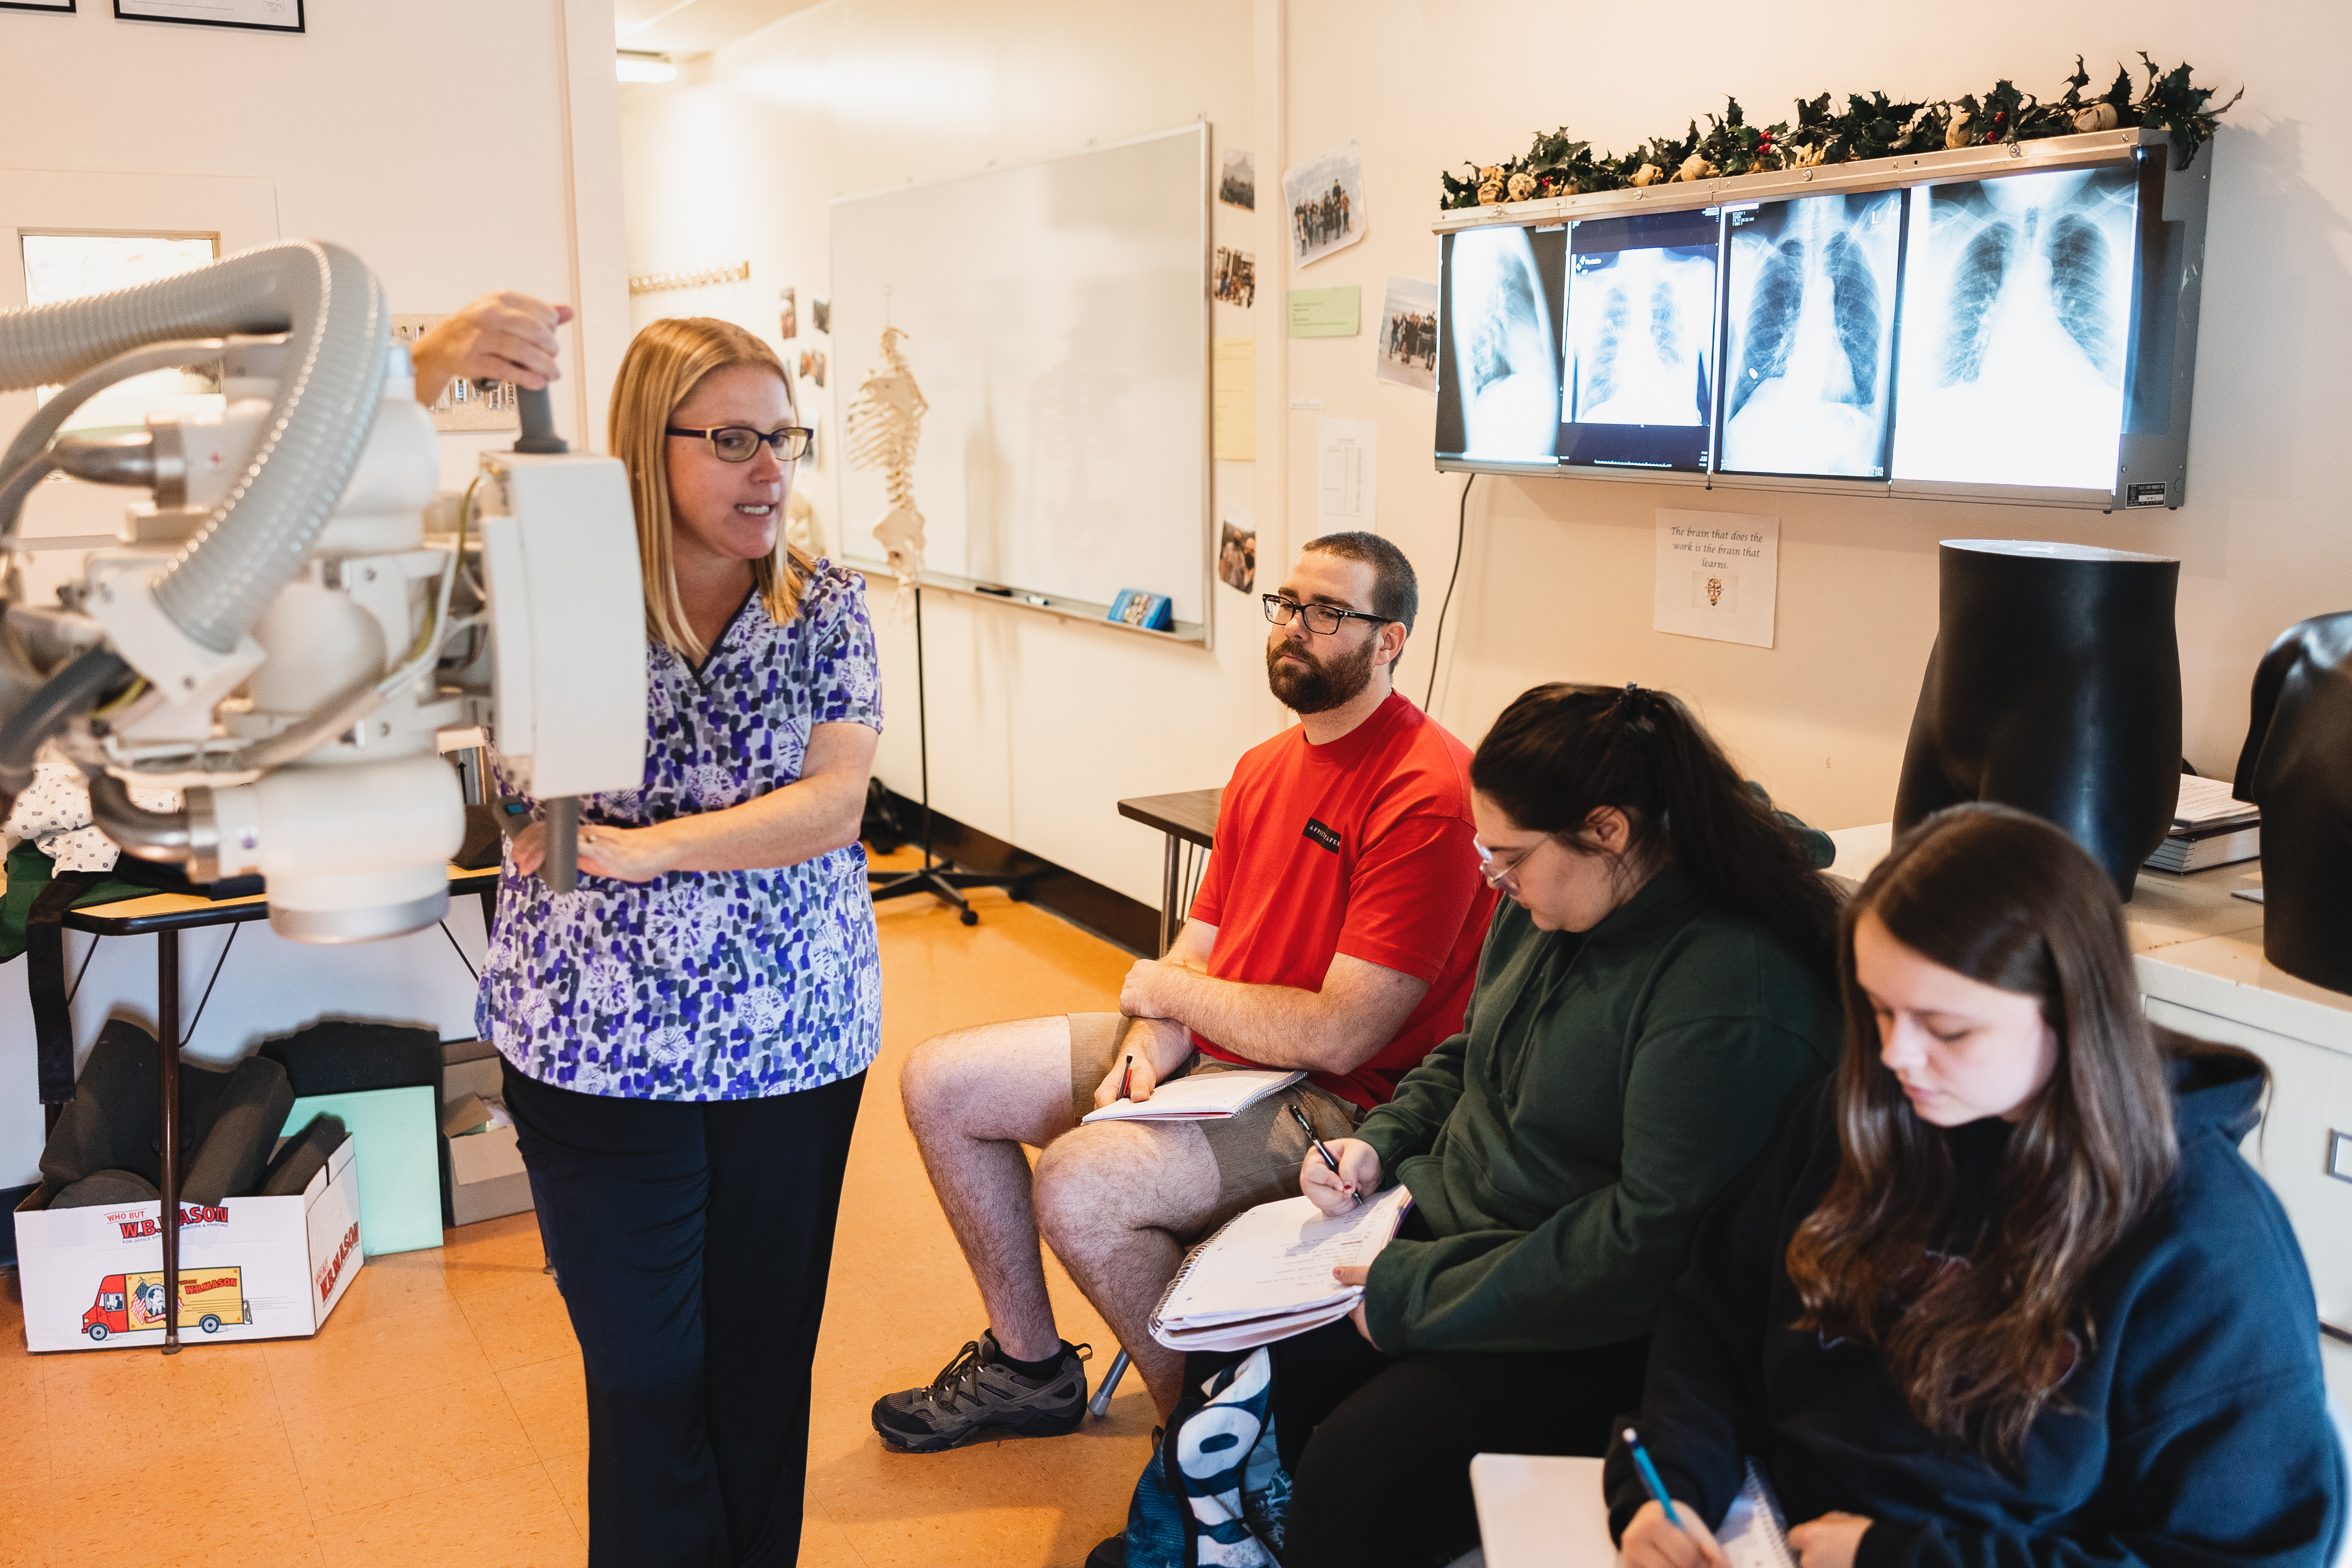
[
  {"x": 788, "y": 315},
  {"x": 1808, "y": 349},
  {"x": 1498, "y": 363},
  {"x": 1237, "y": 180},
  {"x": 1405, "y": 348},
  {"x": 1638, "y": 365},
  {"x": 1325, "y": 197},
  {"x": 813, "y": 366},
  {"x": 2016, "y": 327},
  {"x": 1237, "y": 548},
  {"x": 1235, "y": 280}
]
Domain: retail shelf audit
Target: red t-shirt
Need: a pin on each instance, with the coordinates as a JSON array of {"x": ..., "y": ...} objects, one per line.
[{"x": 1361, "y": 847}]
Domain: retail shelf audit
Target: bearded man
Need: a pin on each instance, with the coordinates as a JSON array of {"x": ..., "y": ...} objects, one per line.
[{"x": 1337, "y": 930}]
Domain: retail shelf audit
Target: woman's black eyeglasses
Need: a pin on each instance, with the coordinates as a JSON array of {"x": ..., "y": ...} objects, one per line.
[
  {"x": 1322, "y": 618},
  {"x": 740, "y": 443}
]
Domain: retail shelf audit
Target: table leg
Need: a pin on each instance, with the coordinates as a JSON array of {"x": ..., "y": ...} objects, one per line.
[
  {"x": 1171, "y": 887},
  {"x": 167, "y": 1031}
]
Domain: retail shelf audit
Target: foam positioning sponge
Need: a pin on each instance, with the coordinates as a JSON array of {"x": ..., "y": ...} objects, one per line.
[
  {"x": 112, "y": 1121},
  {"x": 302, "y": 1156},
  {"x": 250, "y": 1108},
  {"x": 102, "y": 1187}
]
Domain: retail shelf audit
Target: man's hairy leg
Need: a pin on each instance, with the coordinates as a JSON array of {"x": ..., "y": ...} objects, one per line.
[
  {"x": 1113, "y": 1199},
  {"x": 972, "y": 1099}
]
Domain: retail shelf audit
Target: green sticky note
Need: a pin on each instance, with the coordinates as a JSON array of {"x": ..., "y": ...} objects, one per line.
[
  {"x": 1326, "y": 312},
  {"x": 398, "y": 1134}
]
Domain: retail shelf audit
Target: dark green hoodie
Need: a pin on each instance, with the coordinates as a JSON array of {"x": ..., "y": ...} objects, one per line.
[{"x": 1563, "y": 1147}]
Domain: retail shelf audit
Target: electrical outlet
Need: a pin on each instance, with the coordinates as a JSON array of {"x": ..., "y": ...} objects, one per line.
[
  {"x": 2339, "y": 1155},
  {"x": 464, "y": 407}
]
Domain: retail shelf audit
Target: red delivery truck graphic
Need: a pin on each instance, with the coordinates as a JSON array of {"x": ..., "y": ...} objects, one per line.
[{"x": 129, "y": 1302}]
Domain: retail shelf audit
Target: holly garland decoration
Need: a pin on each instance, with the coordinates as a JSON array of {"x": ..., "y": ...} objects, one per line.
[{"x": 1872, "y": 126}]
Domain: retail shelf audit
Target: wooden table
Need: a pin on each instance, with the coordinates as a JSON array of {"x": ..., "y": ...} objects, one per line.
[
  {"x": 1188, "y": 817},
  {"x": 166, "y": 915}
]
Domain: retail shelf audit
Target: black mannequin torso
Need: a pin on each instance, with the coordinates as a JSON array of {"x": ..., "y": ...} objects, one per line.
[
  {"x": 2054, "y": 687},
  {"x": 2297, "y": 766}
]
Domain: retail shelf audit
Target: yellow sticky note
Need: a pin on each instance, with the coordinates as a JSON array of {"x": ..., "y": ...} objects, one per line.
[
  {"x": 1326, "y": 312},
  {"x": 1233, "y": 400}
]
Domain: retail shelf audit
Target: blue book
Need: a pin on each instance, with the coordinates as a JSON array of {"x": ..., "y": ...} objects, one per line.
[{"x": 1152, "y": 612}]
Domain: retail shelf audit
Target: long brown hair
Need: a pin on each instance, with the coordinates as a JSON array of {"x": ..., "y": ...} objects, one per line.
[
  {"x": 1561, "y": 751},
  {"x": 664, "y": 364},
  {"x": 2009, "y": 900}
]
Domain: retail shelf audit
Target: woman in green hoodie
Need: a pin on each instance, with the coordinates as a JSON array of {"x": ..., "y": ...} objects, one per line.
[{"x": 1656, "y": 992}]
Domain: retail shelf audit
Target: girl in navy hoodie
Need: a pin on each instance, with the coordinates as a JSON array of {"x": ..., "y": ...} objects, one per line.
[{"x": 2005, "y": 1295}]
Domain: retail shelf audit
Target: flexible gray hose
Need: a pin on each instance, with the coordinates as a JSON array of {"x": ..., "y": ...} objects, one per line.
[
  {"x": 73, "y": 689},
  {"x": 162, "y": 835},
  {"x": 329, "y": 304},
  {"x": 33, "y": 436}
]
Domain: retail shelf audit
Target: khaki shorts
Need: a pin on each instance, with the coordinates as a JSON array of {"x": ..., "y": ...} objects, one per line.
[{"x": 1257, "y": 1150}]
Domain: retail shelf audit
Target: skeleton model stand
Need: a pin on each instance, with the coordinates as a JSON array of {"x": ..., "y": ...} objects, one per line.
[{"x": 884, "y": 422}]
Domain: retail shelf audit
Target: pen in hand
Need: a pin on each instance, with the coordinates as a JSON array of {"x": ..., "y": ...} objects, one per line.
[
  {"x": 1306, "y": 1127},
  {"x": 1657, "y": 1488},
  {"x": 1127, "y": 1077}
]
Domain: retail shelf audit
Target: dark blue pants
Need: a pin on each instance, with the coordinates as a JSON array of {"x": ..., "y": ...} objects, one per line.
[{"x": 692, "y": 1243}]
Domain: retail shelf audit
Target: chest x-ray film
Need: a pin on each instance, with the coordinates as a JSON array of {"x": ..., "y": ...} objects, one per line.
[
  {"x": 1499, "y": 381},
  {"x": 1809, "y": 355},
  {"x": 1641, "y": 339},
  {"x": 2016, "y": 323}
]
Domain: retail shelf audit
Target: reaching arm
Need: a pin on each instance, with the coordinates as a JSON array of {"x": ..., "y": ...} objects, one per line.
[
  {"x": 505, "y": 336},
  {"x": 1336, "y": 1029},
  {"x": 814, "y": 815}
]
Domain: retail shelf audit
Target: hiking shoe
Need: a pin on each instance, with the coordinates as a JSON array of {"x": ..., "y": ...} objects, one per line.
[{"x": 977, "y": 1395}]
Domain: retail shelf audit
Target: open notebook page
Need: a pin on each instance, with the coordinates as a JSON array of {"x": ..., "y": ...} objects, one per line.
[
  {"x": 1199, "y": 1096},
  {"x": 1278, "y": 1257}
]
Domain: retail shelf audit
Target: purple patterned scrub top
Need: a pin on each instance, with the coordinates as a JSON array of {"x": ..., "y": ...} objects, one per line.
[{"x": 708, "y": 984}]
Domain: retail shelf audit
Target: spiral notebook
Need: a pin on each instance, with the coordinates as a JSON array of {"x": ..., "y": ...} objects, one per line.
[
  {"x": 1265, "y": 1274},
  {"x": 1199, "y": 1096}
]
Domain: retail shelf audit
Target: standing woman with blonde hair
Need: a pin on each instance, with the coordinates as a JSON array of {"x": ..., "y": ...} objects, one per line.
[{"x": 686, "y": 1036}]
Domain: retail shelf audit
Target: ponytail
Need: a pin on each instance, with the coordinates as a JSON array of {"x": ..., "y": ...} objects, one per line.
[{"x": 1561, "y": 751}]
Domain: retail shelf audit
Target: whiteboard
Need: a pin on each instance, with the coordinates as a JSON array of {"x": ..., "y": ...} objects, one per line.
[{"x": 1056, "y": 316}]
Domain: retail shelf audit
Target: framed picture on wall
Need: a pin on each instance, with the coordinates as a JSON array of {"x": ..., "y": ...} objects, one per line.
[
  {"x": 262, "y": 16},
  {"x": 36, "y": 5}
]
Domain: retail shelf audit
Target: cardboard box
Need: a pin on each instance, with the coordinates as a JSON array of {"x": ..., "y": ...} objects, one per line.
[
  {"x": 250, "y": 1268},
  {"x": 486, "y": 1178}
]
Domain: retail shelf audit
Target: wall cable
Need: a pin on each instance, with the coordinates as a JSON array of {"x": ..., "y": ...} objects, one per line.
[{"x": 1437, "y": 640}]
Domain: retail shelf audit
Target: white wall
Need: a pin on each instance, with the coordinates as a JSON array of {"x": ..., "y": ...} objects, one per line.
[
  {"x": 457, "y": 147},
  {"x": 1037, "y": 728},
  {"x": 1558, "y": 577},
  {"x": 1037, "y": 725}
]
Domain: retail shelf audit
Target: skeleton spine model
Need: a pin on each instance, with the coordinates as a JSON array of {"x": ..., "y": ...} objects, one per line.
[{"x": 884, "y": 422}]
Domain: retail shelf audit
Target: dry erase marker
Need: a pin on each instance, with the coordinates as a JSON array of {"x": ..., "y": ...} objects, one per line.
[
  {"x": 1035, "y": 599},
  {"x": 1308, "y": 1128},
  {"x": 1650, "y": 1477},
  {"x": 1127, "y": 1077}
]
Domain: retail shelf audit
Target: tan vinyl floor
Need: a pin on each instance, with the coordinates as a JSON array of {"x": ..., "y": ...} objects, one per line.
[{"x": 437, "y": 1419}]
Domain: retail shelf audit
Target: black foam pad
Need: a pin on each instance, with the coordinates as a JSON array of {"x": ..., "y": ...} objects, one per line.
[
  {"x": 116, "y": 1112},
  {"x": 304, "y": 1153},
  {"x": 254, "y": 1102},
  {"x": 102, "y": 1187},
  {"x": 341, "y": 1056}
]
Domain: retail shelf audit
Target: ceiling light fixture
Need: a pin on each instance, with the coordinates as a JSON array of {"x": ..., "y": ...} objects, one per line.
[{"x": 640, "y": 65}]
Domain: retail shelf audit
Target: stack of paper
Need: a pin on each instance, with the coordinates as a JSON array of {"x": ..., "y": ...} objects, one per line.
[
  {"x": 1199, "y": 1097},
  {"x": 2209, "y": 828},
  {"x": 1266, "y": 1274}
]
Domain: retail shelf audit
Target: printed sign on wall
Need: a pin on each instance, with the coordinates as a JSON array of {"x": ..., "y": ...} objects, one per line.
[{"x": 1718, "y": 573}]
